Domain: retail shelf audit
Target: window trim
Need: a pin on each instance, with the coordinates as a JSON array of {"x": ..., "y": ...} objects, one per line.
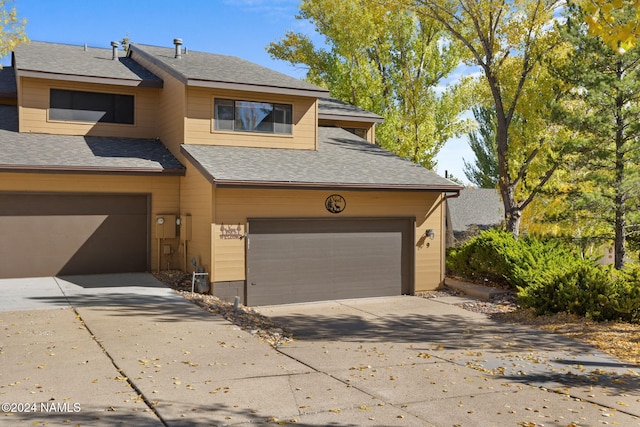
[
  {"x": 92, "y": 122},
  {"x": 234, "y": 130}
]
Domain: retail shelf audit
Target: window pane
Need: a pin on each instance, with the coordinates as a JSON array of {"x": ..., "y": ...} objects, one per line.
[
  {"x": 282, "y": 118},
  {"x": 223, "y": 114},
  {"x": 91, "y": 107},
  {"x": 254, "y": 116}
]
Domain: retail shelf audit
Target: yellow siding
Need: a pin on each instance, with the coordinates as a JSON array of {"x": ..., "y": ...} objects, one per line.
[
  {"x": 199, "y": 121},
  {"x": 171, "y": 109},
  {"x": 164, "y": 191},
  {"x": 34, "y": 107},
  {"x": 195, "y": 200},
  {"x": 234, "y": 206}
]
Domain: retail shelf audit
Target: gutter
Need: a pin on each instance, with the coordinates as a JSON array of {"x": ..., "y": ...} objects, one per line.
[{"x": 90, "y": 170}]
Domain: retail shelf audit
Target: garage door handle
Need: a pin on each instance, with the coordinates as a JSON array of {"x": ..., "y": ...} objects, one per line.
[{"x": 253, "y": 284}]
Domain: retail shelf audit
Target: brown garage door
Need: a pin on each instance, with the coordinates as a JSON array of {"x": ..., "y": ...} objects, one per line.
[
  {"x": 313, "y": 260},
  {"x": 49, "y": 234}
]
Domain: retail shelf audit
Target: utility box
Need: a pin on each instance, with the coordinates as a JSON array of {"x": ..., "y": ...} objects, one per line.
[{"x": 165, "y": 226}]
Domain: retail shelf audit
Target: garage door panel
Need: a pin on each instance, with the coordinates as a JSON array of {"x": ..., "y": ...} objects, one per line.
[
  {"x": 316, "y": 260},
  {"x": 48, "y": 234}
]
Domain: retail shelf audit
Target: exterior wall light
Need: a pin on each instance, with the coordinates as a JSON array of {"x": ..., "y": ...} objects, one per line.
[
  {"x": 160, "y": 220},
  {"x": 178, "y": 221},
  {"x": 430, "y": 233}
]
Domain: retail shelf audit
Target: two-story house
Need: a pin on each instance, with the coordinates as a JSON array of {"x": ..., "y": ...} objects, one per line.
[{"x": 158, "y": 157}]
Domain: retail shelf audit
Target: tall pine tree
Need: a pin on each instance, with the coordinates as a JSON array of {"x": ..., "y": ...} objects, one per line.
[
  {"x": 604, "y": 106},
  {"x": 484, "y": 171}
]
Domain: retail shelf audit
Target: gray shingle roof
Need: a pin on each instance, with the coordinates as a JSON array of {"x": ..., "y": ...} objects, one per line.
[
  {"x": 8, "y": 82},
  {"x": 342, "y": 160},
  {"x": 207, "y": 69},
  {"x": 331, "y": 108},
  {"x": 68, "y": 60},
  {"x": 480, "y": 207},
  {"x": 29, "y": 151}
]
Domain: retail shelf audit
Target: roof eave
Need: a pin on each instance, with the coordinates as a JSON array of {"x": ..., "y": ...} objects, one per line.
[
  {"x": 90, "y": 170},
  {"x": 257, "y": 88},
  {"x": 89, "y": 79},
  {"x": 227, "y": 183},
  {"x": 345, "y": 117}
]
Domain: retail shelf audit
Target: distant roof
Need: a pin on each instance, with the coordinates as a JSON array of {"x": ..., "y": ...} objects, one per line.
[
  {"x": 342, "y": 160},
  {"x": 480, "y": 207},
  {"x": 69, "y": 62},
  {"x": 221, "y": 71},
  {"x": 8, "y": 83},
  {"x": 334, "y": 109},
  {"x": 43, "y": 152}
]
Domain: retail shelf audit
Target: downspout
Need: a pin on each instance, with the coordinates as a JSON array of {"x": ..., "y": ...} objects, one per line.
[{"x": 447, "y": 226}]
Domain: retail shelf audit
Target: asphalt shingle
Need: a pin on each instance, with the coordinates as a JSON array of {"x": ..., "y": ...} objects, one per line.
[
  {"x": 342, "y": 159},
  {"x": 335, "y": 107},
  {"x": 209, "y": 67},
  {"x": 53, "y": 58},
  {"x": 476, "y": 207},
  {"x": 69, "y": 152}
]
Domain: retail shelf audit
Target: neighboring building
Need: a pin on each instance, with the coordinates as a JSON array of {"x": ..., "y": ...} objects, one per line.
[
  {"x": 114, "y": 162},
  {"x": 476, "y": 209}
]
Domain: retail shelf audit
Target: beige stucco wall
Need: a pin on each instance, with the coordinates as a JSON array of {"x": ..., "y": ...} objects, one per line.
[
  {"x": 232, "y": 208},
  {"x": 164, "y": 191},
  {"x": 34, "y": 110}
]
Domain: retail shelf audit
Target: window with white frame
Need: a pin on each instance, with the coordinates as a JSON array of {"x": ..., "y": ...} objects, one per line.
[{"x": 252, "y": 116}]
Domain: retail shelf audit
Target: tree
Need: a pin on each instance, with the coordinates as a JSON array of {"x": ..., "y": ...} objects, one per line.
[
  {"x": 11, "y": 28},
  {"x": 603, "y": 19},
  {"x": 387, "y": 60},
  {"x": 604, "y": 107},
  {"x": 508, "y": 41},
  {"x": 484, "y": 172}
]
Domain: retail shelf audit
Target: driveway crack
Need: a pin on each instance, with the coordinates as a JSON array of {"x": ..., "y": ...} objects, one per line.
[{"x": 113, "y": 362}]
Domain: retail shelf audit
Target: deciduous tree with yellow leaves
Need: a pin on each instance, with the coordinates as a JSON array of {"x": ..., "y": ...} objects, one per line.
[
  {"x": 11, "y": 28},
  {"x": 509, "y": 41}
]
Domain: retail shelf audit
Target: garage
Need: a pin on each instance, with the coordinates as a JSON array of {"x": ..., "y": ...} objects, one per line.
[
  {"x": 301, "y": 260},
  {"x": 48, "y": 234}
]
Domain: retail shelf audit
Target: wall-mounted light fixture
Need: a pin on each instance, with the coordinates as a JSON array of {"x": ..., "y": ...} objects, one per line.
[
  {"x": 430, "y": 233},
  {"x": 178, "y": 221},
  {"x": 159, "y": 220}
]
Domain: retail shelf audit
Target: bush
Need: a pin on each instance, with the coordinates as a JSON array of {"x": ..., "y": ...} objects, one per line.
[
  {"x": 498, "y": 257},
  {"x": 549, "y": 277}
]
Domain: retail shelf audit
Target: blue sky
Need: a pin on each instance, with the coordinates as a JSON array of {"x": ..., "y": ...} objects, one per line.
[{"x": 233, "y": 27}]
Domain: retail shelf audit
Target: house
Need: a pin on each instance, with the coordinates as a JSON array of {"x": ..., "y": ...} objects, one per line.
[
  {"x": 165, "y": 158},
  {"x": 475, "y": 210}
]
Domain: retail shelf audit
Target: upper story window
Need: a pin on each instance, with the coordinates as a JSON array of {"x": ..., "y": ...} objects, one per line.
[
  {"x": 251, "y": 116},
  {"x": 93, "y": 107}
]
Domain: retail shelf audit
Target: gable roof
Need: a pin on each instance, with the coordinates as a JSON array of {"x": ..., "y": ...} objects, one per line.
[
  {"x": 334, "y": 109},
  {"x": 480, "y": 207},
  {"x": 342, "y": 160},
  {"x": 68, "y": 62},
  {"x": 70, "y": 153},
  {"x": 225, "y": 72}
]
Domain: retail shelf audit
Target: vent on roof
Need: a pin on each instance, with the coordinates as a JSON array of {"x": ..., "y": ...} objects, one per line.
[
  {"x": 114, "y": 48},
  {"x": 178, "y": 43}
]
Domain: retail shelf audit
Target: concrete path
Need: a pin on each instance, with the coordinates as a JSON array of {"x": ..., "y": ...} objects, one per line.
[{"x": 125, "y": 349}]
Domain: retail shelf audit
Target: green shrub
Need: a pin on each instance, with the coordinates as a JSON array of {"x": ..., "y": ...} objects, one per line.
[{"x": 498, "y": 257}]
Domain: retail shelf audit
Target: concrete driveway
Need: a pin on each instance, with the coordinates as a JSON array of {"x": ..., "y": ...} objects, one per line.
[{"x": 115, "y": 350}]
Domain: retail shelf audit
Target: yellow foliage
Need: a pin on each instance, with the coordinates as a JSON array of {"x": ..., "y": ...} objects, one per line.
[
  {"x": 11, "y": 28},
  {"x": 602, "y": 22}
]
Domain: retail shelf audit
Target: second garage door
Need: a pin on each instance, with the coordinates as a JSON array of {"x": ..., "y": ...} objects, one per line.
[
  {"x": 295, "y": 260},
  {"x": 45, "y": 234}
]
